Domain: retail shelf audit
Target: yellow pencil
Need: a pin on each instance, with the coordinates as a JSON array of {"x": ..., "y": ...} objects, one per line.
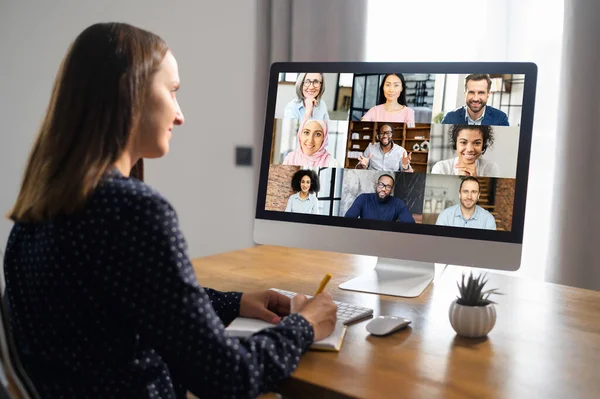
[{"x": 323, "y": 283}]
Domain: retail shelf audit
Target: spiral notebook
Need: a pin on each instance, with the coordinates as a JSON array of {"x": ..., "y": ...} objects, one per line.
[{"x": 243, "y": 327}]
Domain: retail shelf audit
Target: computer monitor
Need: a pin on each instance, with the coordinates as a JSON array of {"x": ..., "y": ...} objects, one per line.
[{"x": 414, "y": 163}]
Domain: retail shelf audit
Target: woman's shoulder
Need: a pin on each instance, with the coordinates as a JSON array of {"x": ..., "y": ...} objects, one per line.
[
  {"x": 291, "y": 110},
  {"x": 483, "y": 161},
  {"x": 287, "y": 160},
  {"x": 489, "y": 168},
  {"x": 374, "y": 110},
  {"x": 444, "y": 166},
  {"x": 129, "y": 194},
  {"x": 293, "y": 103}
]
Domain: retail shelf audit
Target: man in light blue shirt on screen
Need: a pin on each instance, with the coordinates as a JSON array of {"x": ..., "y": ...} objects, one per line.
[{"x": 467, "y": 213}]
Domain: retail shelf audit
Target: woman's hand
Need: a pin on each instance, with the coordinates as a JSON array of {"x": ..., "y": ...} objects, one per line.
[
  {"x": 309, "y": 103},
  {"x": 265, "y": 305},
  {"x": 320, "y": 311},
  {"x": 466, "y": 169}
]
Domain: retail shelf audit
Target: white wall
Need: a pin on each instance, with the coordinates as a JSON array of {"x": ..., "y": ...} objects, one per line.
[
  {"x": 442, "y": 187},
  {"x": 223, "y": 72},
  {"x": 535, "y": 39},
  {"x": 445, "y": 97},
  {"x": 439, "y": 30},
  {"x": 459, "y": 86},
  {"x": 286, "y": 92},
  {"x": 438, "y": 94},
  {"x": 505, "y": 149},
  {"x": 331, "y": 80}
]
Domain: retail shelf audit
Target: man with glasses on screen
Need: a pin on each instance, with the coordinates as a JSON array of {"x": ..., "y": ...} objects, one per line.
[
  {"x": 385, "y": 154},
  {"x": 467, "y": 213},
  {"x": 380, "y": 205}
]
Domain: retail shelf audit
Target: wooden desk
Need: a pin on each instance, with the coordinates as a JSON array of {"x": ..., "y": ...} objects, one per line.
[{"x": 546, "y": 342}]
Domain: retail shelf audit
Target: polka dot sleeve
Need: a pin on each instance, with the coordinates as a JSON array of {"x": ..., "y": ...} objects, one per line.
[
  {"x": 158, "y": 295},
  {"x": 226, "y": 304}
]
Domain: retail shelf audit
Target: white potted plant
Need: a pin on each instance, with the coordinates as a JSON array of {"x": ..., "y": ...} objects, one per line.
[{"x": 472, "y": 313}]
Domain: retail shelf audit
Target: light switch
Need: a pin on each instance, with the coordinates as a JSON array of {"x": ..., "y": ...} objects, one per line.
[{"x": 243, "y": 156}]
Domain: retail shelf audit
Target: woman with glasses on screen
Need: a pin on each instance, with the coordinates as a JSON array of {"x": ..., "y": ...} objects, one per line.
[
  {"x": 308, "y": 103},
  {"x": 391, "y": 102},
  {"x": 470, "y": 142},
  {"x": 103, "y": 297},
  {"x": 305, "y": 184},
  {"x": 313, "y": 138}
]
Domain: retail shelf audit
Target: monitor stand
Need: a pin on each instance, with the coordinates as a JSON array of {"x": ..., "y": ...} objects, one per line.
[{"x": 394, "y": 277}]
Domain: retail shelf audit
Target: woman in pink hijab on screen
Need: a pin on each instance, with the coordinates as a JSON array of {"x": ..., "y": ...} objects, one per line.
[{"x": 312, "y": 144}]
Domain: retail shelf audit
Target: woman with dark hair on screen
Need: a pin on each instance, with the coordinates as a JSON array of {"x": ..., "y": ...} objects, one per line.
[
  {"x": 392, "y": 102},
  {"x": 305, "y": 184},
  {"x": 469, "y": 142},
  {"x": 103, "y": 298}
]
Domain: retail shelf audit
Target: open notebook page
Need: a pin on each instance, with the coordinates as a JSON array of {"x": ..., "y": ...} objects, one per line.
[{"x": 243, "y": 327}]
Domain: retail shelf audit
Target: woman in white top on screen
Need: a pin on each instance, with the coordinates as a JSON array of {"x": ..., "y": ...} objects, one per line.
[
  {"x": 308, "y": 103},
  {"x": 392, "y": 102},
  {"x": 305, "y": 184},
  {"x": 470, "y": 143},
  {"x": 312, "y": 147}
]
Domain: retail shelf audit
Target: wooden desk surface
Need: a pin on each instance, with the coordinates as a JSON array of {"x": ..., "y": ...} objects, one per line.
[{"x": 546, "y": 342}]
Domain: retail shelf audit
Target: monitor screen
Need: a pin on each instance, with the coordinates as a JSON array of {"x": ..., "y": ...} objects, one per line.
[{"x": 426, "y": 149}]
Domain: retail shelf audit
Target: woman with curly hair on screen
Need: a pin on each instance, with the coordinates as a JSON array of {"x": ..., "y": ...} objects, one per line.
[
  {"x": 305, "y": 184},
  {"x": 470, "y": 142}
]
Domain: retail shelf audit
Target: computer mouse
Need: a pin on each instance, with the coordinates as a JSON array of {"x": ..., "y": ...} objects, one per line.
[{"x": 382, "y": 325}]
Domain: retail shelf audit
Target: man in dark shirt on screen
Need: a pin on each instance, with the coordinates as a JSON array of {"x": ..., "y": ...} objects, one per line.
[{"x": 380, "y": 205}]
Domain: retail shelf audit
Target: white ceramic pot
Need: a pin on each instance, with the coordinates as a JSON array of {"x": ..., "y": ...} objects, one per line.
[{"x": 472, "y": 321}]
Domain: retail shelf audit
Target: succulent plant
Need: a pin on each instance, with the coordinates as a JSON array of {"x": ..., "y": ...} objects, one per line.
[{"x": 472, "y": 293}]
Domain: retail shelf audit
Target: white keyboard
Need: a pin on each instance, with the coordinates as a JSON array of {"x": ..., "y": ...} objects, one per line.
[{"x": 346, "y": 312}]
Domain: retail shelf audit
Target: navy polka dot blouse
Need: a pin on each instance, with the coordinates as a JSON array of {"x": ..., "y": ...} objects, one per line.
[{"x": 106, "y": 304}]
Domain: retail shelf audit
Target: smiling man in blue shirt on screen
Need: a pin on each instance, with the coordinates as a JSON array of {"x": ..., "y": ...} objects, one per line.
[
  {"x": 380, "y": 205},
  {"x": 476, "y": 111},
  {"x": 467, "y": 213}
]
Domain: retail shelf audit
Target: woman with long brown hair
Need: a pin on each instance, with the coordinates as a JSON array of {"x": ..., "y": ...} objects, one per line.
[{"x": 103, "y": 297}]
